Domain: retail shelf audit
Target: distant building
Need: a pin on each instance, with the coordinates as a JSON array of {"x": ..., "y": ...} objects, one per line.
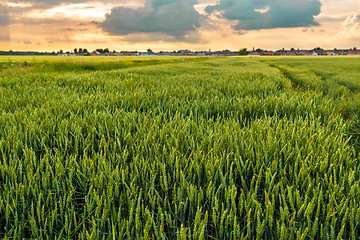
[
  {"x": 330, "y": 53},
  {"x": 353, "y": 52},
  {"x": 269, "y": 53},
  {"x": 254, "y": 53},
  {"x": 95, "y": 53}
]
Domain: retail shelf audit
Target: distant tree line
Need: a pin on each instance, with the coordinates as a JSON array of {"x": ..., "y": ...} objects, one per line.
[
  {"x": 25, "y": 53},
  {"x": 85, "y": 52}
]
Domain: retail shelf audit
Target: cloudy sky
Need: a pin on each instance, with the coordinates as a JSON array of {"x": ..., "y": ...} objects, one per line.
[{"x": 178, "y": 24}]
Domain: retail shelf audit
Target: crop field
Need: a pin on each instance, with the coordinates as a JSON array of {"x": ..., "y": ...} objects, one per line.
[{"x": 180, "y": 148}]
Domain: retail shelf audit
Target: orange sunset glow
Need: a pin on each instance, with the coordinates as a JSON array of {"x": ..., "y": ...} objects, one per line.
[{"x": 178, "y": 24}]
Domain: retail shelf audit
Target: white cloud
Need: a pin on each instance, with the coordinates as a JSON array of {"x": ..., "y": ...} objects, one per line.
[{"x": 351, "y": 27}]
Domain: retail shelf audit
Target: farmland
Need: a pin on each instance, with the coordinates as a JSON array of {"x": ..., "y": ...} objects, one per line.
[{"x": 180, "y": 148}]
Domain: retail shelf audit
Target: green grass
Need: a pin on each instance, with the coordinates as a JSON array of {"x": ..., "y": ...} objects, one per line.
[{"x": 186, "y": 148}]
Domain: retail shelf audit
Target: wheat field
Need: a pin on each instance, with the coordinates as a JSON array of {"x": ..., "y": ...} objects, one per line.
[{"x": 180, "y": 148}]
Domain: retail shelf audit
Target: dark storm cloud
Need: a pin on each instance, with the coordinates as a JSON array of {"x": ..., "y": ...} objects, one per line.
[
  {"x": 176, "y": 18},
  {"x": 266, "y": 14}
]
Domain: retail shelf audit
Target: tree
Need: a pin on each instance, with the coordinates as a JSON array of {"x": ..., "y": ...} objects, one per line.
[
  {"x": 243, "y": 52},
  {"x": 75, "y": 50},
  {"x": 149, "y": 51}
]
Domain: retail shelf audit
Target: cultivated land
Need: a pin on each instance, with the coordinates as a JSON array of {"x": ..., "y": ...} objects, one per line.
[{"x": 165, "y": 148}]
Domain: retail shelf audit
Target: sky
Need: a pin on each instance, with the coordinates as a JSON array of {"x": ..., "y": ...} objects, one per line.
[{"x": 167, "y": 25}]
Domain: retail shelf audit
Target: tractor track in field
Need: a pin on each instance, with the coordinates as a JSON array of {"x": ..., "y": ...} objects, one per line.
[
  {"x": 296, "y": 84},
  {"x": 354, "y": 128}
]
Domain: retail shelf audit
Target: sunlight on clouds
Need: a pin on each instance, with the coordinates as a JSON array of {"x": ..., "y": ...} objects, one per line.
[
  {"x": 91, "y": 38},
  {"x": 202, "y": 4},
  {"x": 262, "y": 10},
  {"x": 74, "y": 11},
  {"x": 339, "y": 8},
  {"x": 351, "y": 27},
  {"x": 15, "y": 4}
]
